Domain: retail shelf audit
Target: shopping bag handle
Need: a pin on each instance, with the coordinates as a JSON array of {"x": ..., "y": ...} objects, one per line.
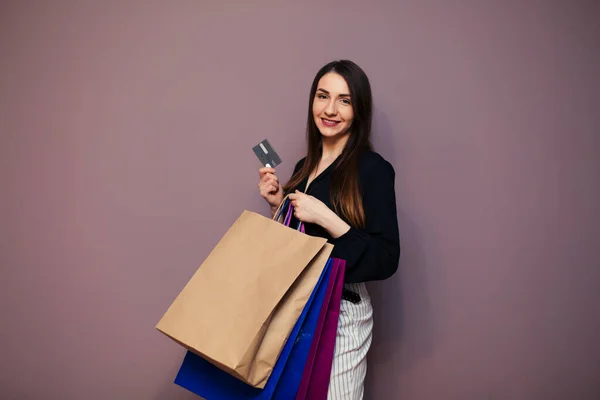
[
  {"x": 288, "y": 217},
  {"x": 280, "y": 208}
]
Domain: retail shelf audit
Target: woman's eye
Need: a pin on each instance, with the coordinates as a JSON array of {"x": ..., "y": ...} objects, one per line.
[
  {"x": 321, "y": 96},
  {"x": 346, "y": 101}
]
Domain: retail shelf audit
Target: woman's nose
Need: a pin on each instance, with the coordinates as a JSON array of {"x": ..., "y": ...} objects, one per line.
[{"x": 330, "y": 109}]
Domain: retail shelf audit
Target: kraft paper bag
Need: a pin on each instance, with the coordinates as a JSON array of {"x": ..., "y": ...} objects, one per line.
[{"x": 241, "y": 305}]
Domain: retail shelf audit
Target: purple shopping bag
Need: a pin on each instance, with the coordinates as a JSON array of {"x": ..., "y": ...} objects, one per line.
[{"x": 317, "y": 370}]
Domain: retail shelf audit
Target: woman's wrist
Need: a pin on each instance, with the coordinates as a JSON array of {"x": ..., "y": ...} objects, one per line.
[
  {"x": 273, "y": 209},
  {"x": 333, "y": 224}
]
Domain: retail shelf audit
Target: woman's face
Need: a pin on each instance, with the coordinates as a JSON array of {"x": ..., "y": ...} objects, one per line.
[{"x": 332, "y": 106}]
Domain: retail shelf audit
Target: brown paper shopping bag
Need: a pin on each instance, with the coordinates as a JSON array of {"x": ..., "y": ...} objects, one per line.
[{"x": 240, "y": 306}]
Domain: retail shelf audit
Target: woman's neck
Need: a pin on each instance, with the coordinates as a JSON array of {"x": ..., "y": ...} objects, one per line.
[{"x": 333, "y": 146}]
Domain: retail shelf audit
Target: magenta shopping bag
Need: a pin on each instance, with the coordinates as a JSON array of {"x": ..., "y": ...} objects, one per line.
[{"x": 317, "y": 370}]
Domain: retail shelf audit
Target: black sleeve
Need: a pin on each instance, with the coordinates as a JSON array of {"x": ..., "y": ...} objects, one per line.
[{"x": 373, "y": 253}]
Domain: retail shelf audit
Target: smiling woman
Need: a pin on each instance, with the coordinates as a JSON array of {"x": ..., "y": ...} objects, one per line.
[{"x": 344, "y": 191}]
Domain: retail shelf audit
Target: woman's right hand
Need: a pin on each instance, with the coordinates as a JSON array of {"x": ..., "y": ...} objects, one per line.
[{"x": 269, "y": 188}]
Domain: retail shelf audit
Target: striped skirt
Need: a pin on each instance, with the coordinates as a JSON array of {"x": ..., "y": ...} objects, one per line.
[{"x": 353, "y": 340}]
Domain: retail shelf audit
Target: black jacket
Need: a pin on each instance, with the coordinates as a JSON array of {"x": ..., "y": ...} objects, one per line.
[{"x": 373, "y": 253}]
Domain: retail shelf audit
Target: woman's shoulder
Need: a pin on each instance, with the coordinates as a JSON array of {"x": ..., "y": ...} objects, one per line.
[
  {"x": 299, "y": 164},
  {"x": 372, "y": 162}
]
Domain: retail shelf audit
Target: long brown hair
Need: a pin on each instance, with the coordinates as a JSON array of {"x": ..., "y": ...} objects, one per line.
[{"x": 345, "y": 191}]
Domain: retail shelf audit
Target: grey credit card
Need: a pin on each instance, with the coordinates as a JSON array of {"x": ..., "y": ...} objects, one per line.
[{"x": 266, "y": 154}]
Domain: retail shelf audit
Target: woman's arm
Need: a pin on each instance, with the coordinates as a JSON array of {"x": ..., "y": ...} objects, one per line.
[
  {"x": 332, "y": 223},
  {"x": 373, "y": 253}
]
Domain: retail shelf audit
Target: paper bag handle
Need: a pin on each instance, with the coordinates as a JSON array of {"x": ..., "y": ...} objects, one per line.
[
  {"x": 277, "y": 214},
  {"x": 288, "y": 217}
]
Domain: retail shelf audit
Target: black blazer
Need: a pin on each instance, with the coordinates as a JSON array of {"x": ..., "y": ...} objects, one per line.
[{"x": 373, "y": 253}]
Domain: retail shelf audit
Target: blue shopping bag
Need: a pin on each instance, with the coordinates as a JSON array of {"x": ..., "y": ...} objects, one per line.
[
  {"x": 295, "y": 367},
  {"x": 206, "y": 380}
]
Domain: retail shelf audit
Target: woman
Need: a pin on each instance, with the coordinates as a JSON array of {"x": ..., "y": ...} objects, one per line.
[{"x": 344, "y": 191}]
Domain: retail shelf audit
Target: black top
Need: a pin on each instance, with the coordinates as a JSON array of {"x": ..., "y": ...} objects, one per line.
[{"x": 373, "y": 253}]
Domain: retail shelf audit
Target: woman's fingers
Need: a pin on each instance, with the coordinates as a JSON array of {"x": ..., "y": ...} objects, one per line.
[
  {"x": 270, "y": 179},
  {"x": 274, "y": 183},
  {"x": 266, "y": 171},
  {"x": 268, "y": 188}
]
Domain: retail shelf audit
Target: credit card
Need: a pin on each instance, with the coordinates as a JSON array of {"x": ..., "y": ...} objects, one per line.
[{"x": 266, "y": 154}]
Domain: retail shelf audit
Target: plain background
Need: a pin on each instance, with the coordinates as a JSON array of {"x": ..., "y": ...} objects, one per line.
[{"x": 125, "y": 153}]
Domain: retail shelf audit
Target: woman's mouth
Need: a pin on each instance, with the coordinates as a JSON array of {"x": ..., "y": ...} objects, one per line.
[{"x": 329, "y": 122}]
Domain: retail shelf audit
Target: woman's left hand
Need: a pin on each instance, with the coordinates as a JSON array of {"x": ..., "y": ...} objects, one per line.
[{"x": 308, "y": 209}]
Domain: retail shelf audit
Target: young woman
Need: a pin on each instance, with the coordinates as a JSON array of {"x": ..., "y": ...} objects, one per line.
[{"x": 344, "y": 191}]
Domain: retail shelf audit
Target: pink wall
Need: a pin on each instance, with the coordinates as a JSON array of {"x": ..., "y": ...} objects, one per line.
[{"x": 125, "y": 136}]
